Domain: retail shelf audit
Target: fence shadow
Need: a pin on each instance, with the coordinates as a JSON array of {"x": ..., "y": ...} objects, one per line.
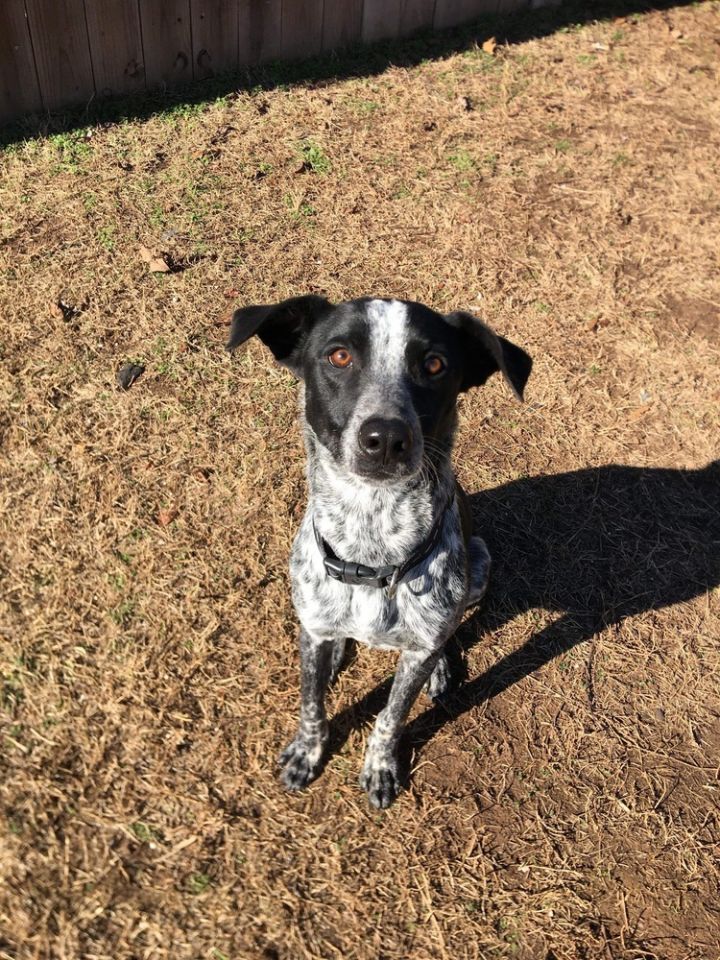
[
  {"x": 355, "y": 61},
  {"x": 595, "y": 546}
]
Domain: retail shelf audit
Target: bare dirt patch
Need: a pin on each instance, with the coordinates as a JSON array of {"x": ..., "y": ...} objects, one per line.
[
  {"x": 565, "y": 803},
  {"x": 694, "y": 317}
]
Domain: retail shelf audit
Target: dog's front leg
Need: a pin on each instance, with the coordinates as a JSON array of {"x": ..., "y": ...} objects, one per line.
[
  {"x": 380, "y": 776},
  {"x": 301, "y": 759}
]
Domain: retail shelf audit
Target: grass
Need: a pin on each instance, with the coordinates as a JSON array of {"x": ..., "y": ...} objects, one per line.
[
  {"x": 462, "y": 161},
  {"x": 314, "y": 158},
  {"x": 564, "y": 803}
]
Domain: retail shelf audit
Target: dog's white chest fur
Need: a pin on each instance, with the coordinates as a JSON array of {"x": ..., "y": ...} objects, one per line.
[{"x": 421, "y": 615}]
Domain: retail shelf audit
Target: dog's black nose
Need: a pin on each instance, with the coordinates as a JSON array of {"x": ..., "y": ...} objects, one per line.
[{"x": 386, "y": 442}]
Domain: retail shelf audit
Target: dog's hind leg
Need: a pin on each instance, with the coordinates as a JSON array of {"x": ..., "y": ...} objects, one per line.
[
  {"x": 338, "y": 658},
  {"x": 301, "y": 760},
  {"x": 479, "y": 561},
  {"x": 380, "y": 775},
  {"x": 440, "y": 679}
]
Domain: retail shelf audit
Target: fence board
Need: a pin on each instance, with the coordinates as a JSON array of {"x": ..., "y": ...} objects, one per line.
[
  {"x": 19, "y": 88},
  {"x": 62, "y": 52},
  {"x": 166, "y": 41},
  {"x": 55, "y": 52},
  {"x": 259, "y": 31},
  {"x": 450, "y": 12},
  {"x": 381, "y": 20},
  {"x": 415, "y": 15},
  {"x": 214, "y": 36},
  {"x": 115, "y": 46},
  {"x": 342, "y": 23},
  {"x": 302, "y": 22}
]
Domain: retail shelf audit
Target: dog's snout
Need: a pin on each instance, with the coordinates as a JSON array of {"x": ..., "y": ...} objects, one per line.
[{"x": 385, "y": 442}]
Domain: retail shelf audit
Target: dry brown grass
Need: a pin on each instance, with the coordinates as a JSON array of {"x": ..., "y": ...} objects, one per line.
[{"x": 566, "y": 804}]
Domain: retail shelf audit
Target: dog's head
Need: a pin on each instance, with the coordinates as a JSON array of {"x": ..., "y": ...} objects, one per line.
[{"x": 381, "y": 376}]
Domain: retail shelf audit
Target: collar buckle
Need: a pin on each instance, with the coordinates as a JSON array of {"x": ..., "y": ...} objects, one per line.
[{"x": 354, "y": 574}]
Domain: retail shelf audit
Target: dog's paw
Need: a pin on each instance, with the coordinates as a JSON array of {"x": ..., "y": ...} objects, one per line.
[
  {"x": 440, "y": 680},
  {"x": 300, "y": 762},
  {"x": 381, "y": 781}
]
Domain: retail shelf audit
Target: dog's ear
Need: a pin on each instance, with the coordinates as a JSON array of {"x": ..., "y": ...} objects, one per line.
[
  {"x": 486, "y": 353},
  {"x": 283, "y": 327}
]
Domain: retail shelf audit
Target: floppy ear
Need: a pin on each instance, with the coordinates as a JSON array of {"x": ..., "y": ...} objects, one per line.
[
  {"x": 486, "y": 353},
  {"x": 283, "y": 327}
]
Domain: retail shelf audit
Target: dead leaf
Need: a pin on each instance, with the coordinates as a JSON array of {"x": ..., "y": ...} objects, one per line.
[
  {"x": 209, "y": 153},
  {"x": 167, "y": 515},
  {"x": 128, "y": 374},
  {"x": 231, "y": 293},
  {"x": 203, "y": 474},
  {"x": 158, "y": 265},
  {"x": 56, "y": 311},
  {"x": 639, "y": 413},
  {"x": 676, "y": 34},
  {"x": 490, "y": 46},
  {"x": 465, "y": 103},
  {"x": 595, "y": 323}
]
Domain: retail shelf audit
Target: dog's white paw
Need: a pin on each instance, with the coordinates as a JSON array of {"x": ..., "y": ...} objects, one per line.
[
  {"x": 440, "y": 679},
  {"x": 479, "y": 570},
  {"x": 300, "y": 761},
  {"x": 380, "y": 779}
]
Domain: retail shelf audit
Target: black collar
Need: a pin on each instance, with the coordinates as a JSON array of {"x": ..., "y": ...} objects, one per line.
[{"x": 357, "y": 574}]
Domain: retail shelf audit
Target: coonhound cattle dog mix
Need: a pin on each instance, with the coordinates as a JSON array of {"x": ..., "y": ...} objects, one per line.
[{"x": 385, "y": 553}]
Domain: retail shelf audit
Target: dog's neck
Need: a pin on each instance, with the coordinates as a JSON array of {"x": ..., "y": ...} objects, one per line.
[{"x": 372, "y": 524}]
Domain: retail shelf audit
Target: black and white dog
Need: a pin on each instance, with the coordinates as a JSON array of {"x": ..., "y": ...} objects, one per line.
[{"x": 384, "y": 553}]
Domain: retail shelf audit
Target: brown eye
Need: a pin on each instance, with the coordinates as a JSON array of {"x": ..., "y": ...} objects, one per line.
[
  {"x": 434, "y": 365},
  {"x": 340, "y": 357}
]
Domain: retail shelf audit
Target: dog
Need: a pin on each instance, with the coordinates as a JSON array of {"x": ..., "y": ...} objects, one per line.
[{"x": 385, "y": 553}]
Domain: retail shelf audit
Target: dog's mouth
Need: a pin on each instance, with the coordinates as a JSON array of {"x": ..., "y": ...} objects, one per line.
[{"x": 384, "y": 476}]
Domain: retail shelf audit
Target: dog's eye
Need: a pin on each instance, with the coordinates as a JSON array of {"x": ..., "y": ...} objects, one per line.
[
  {"x": 340, "y": 357},
  {"x": 434, "y": 365}
]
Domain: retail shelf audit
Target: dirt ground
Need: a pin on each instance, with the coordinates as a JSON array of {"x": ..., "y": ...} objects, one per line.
[{"x": 564, "y": 803}]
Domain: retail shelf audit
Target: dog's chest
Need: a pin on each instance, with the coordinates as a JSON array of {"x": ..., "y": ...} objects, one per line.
[{"x": 421, "y": 615}]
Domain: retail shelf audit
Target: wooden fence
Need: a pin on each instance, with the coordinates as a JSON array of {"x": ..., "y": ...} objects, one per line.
[{"x": 59, "y": 52}]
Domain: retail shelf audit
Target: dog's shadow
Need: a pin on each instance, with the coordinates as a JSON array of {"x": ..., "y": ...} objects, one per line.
[{"x": 596, "y": 546}]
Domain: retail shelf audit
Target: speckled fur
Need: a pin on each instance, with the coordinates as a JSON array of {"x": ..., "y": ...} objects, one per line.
[
  {"x": 381, "y": 517},
  {"x": 377, "y": 525}
]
